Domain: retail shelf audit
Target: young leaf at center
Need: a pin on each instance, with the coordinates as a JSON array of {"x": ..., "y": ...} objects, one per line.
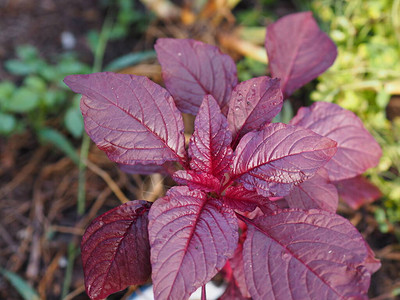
[
  {"x": 197, "y": 180},
  {"x": 253, "y": 103},
  {"x": 209, "y": 147},
  {"x": 273, "y": 160},
  {"x": 237, "y": 197}
]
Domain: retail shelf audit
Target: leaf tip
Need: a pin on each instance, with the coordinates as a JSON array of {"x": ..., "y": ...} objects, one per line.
[{"x": 68, "y": 80}]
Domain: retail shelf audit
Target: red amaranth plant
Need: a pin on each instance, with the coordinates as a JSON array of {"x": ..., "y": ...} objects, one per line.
[{"x": 277, "y": 181}]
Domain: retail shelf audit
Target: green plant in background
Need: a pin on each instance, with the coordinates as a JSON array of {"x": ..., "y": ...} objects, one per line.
[
  {"x": 41, "y": 95},
  {"x": 128, "y": 19},
  {"x": 128, "y": 16},
  {"x": 365, "y": 76},
  {"x": 249, "y": 68},
  {"x": 41, "y": 102}
]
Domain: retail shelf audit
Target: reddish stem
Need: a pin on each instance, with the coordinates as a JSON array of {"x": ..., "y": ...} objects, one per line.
[{"x": 203, "y": 293}]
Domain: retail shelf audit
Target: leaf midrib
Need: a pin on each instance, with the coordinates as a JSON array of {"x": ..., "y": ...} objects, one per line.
[
  {"x": 132, "y": 116},
  {"x": 293, "y": 255}
]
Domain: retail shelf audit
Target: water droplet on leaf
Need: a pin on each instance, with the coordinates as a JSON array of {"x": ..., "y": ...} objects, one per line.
[{"x": 285, "y": 256}]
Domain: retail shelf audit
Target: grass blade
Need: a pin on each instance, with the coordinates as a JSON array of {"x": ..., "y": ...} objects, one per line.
[
  {"x": 55, "y": 138},
  {"x": 129, "y": 60},
  {"x": 22, "y": 287}
]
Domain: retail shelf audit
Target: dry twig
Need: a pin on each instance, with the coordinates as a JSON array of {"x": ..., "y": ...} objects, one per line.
[{"x": 110, "y": 182}]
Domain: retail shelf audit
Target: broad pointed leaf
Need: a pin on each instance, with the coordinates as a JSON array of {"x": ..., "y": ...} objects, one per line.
[
  {"x": 191, "y": 238},
  {"x": 357, "y": 191},
  {"x": 357, "y": 149},
  {"x": 195, "y": 180},
  {"x": 253, "y": 103},
  {"x": 192, "y": 69},
  {"x": 316, "y": 192},
  {"x": 280, "y": 156},
  {"x": 237, "y": 197},
  {"x": 297, "y": 254},
  {"x": 116, "y": 251},
  {"x": 131, "y": 118},
  {"x": 298, "y": 51},
  {"x": 209, "y": 147},
  {"x": 371, "y": 263},
  {"x": 237, "y": 265}
]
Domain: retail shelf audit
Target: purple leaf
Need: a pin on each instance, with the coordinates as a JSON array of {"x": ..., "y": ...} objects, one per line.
[
  {"x": 237, "y": 265},
  {"x": 316, "y": 192},
  {"x": 298, "y": 51},
  {"x": 253, "y": 103},
  {"x": 259, "y": 211},
  {"x": 357, "y": 149},
  {"x": 269, "y": 208},
  {"x": 131, "y": 118},
  {"x": 192, "y": 69},
  {"x": 237, "y": 197},
  {"x": 194, "y": 180},
  {"x": 371, "y": 263},
  {"x": 280, "y": 202},
  {"x": 209, "y": 147},
  {"x": 357, "y": 191},
  {"x": 116, "y": 250},
  {"x": 232, "y": 292},
  {"x": 146, "y": 169},
  {"x": 273, "y": 160},
  {"x": 297, "y": 254},
  {"x": 191, "y": 238}
]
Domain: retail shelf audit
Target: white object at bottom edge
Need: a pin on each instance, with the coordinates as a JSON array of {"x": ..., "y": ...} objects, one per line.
[{"x": 213, "y": 292}]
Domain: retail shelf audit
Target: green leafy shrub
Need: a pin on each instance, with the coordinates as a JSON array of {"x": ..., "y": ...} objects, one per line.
[
  {"x": 41, "y": 95},
  {"x": 364, "y": 78}
]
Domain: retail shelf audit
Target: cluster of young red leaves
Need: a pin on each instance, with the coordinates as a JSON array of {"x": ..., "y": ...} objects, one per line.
[{"x": 277, "y": 182}]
